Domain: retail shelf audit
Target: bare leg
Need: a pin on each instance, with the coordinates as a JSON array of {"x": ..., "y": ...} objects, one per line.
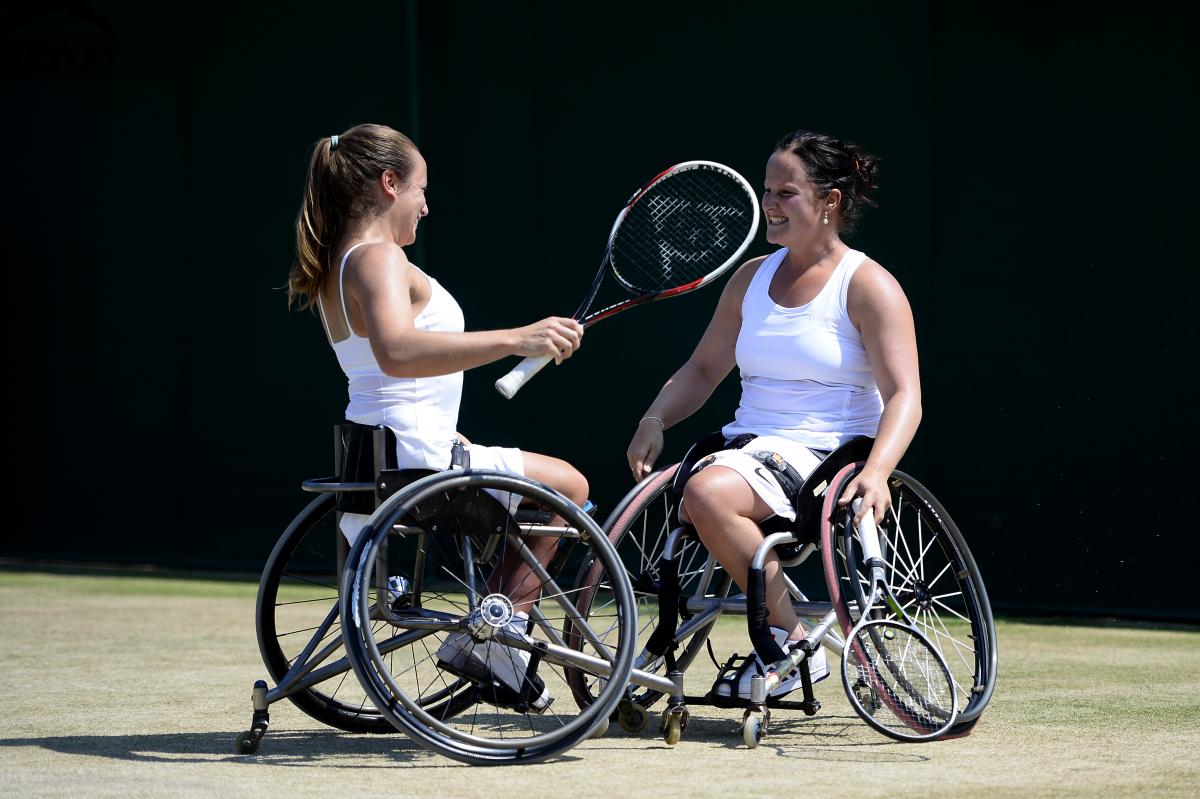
[
  {"x": 725, "y": 510},
  {"x": 513, "y": 576}
]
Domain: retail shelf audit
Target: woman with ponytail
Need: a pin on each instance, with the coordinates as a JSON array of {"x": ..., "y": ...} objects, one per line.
[{"x": 400, "y": 338}]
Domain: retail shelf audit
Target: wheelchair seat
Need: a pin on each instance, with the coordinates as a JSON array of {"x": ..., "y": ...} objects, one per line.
[{"x": 807, "y": 501}]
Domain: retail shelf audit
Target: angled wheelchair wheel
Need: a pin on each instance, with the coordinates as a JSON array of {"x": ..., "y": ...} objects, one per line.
[
  {"x": 453, "y": 665},
  {"x": 638, "y": 528},
  {"x": 933, "y": 576},
  {"x": 298, "y": 606}
]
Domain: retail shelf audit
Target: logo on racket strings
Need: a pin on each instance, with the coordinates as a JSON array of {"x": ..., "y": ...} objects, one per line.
[{"x": 692, "y": 232}]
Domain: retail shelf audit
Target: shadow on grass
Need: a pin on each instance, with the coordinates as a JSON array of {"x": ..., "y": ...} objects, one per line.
[
  {"x": 820, "y": 739},
  {"x": 792, "y": 735},
  {"x": 304, "y": 748}
]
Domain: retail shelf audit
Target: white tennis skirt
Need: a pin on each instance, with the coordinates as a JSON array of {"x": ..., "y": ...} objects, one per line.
[
  {"x": 760, "y": 478},
  {"x": 500, "y": 459}
]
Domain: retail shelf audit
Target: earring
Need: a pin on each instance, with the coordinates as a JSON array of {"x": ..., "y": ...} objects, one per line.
[{"x": 825, "y": 221}]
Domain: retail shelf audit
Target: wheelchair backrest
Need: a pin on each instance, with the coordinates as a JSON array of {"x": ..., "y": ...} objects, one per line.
[
  {"x": 367, "y": 454},
  {"x": 361, "y": 453}
]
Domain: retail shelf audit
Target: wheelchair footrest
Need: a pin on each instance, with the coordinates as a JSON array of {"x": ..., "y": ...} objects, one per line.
[{"x": 715, "y": 700}]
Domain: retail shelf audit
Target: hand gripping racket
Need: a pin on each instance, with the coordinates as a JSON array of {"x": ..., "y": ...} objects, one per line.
[
  {"x": 894, "y": 677},
  {"x": 677, "y": 233}
]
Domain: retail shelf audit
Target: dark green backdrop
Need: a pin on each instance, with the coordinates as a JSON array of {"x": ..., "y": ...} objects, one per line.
[{"x": 165, "y": 404}]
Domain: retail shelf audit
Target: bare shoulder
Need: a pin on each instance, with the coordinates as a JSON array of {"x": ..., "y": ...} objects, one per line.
[
  {"x": 377, "y": 255},
  {"x": 743, "y": 275},
  {"x": 379, "y": 263},
  {"x": 729, "y": 306},
  {"x": 872, "y": 283},
  {"x": 747, "y": 270}
]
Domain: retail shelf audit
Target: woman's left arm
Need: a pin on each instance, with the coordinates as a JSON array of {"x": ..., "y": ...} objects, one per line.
[{"x": 881, "y": 312}]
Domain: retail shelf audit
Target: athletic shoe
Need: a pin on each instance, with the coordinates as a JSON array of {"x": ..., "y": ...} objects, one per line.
[
  {"x": 753, "y": 666},
  {"x": 399, "y": 591},
  {"x": 492, "y": 663}
]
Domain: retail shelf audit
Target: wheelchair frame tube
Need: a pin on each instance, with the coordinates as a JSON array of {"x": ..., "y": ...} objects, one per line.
[
  {"x": 697, "y": 606},
  {"x": 308, "y": 676},
  {"x": 559, "y": 596},
  {"x": 539, "y": 618}
]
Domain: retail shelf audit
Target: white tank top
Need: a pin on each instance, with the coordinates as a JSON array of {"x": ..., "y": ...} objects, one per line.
[
  {"x": 421, "y": 411},
  {"x": 805, "y": 373}
]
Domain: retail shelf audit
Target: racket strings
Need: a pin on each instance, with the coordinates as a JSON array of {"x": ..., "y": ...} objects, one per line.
[{"x": 681, "y": 229}]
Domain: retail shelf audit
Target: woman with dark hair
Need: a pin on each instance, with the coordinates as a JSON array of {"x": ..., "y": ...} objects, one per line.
[
  {"x": 399, "y": 337},
  {"x": 824, "y": 341}
]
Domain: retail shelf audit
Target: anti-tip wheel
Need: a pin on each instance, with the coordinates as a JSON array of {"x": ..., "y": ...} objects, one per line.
[
  {"x": 673, "y": 730},
  {"x": 246, "y": 743},
  {"x": 601, "y": 728},
  {"x": 752, "y": 730},
  {"x": 632, "y": 717}
]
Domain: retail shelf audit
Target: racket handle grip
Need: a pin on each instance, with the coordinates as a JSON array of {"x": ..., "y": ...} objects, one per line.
[
  {"x": 511, "y": 383},
  {"x": 867, "y": 533}
]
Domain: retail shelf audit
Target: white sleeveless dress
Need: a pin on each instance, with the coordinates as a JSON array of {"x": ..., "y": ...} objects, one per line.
[
  {"x": 421, "y": 411},
  {"x": 806, "y": 381}
]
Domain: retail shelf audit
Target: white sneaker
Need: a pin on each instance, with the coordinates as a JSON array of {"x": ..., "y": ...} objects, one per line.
[
  {"x": 491, "y": 662},
  {"x": 399, "y": 592},
  {"x": 818, "y": 669}
]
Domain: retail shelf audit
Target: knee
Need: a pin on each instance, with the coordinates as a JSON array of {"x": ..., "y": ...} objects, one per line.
[
  {"x": 558, "y": 475},
  {"x": 706, "y": 499},
  {"x": 575, "y": 486}
]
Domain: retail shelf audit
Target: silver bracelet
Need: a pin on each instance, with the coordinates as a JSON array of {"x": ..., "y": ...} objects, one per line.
[{"x": 661, "y": 423}]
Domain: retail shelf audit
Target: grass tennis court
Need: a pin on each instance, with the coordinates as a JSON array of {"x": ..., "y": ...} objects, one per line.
[{"x": 136, "y": 686}]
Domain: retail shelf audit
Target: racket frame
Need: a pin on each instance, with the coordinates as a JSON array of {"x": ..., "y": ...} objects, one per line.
[
  {"x": 587, "y": 319},
  {"x": 511, "y": 383}
]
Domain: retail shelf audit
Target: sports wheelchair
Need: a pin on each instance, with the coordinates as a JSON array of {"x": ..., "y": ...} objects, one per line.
[
  {"x": 935, "y": 586},
  {"x": 363, "y": 638}
]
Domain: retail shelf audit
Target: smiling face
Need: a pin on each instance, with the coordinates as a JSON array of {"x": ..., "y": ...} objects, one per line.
[
  {"x": 792, "y": 209},
  {"x": 409, "y": 205}
]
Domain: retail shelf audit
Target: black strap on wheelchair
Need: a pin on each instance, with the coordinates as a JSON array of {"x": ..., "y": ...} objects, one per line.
[
  {"x": 784, "y": 473},
  {"x": 662, "y": 639},
  {"x": 460, "y": 456},
  {"x": 756, "y": 617}
]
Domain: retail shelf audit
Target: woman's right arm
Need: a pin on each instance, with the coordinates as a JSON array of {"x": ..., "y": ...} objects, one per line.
[
  {"x": 379, "y": 287},
  {"x": 691, "y": 386}
]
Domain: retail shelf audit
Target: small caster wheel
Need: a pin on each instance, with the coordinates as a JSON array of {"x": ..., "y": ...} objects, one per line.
[
  {"x": 632, "y": 716},
  {"x": 867, "y": 698},
  {"x": 601, "y": 728},
  {"x": 752, "y": 730},
  {"x": 673, "y": 730},
  {"x": 246, "y": 743}
]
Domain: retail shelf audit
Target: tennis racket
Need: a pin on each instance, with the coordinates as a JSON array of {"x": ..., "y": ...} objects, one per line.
[
  {"x": 894, "y": 677},
  {"x": 679, "y": 232}
]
